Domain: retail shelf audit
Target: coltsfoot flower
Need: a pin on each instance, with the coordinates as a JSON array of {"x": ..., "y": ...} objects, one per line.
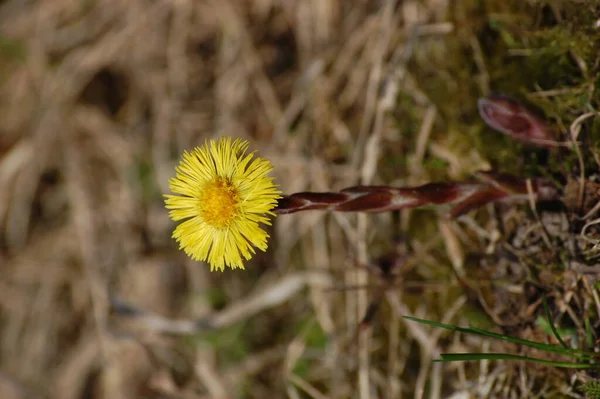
[{"x": 225, "y": 195}]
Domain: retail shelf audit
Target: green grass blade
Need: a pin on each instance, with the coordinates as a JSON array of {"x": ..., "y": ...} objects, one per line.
[
  {"x": 455, "y": 357},
  {"x": 532, "y": 344},
  {"x": 589, "y": 334},
  {"x": 551, "y": 322}
]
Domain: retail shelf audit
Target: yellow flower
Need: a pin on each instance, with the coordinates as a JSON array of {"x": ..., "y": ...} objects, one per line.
[{"x": 224, "y": 194}]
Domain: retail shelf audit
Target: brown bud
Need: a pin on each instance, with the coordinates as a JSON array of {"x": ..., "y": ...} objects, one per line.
[{"x": 509, "y": 117}]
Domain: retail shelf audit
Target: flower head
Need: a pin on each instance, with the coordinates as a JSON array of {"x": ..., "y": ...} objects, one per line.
[{"x": 224, "y": 194}]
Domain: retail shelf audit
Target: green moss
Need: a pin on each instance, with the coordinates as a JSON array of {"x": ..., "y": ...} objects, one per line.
[
  {"x": 591, "y": 389},
  {"x": 12, "y": 50},
  {"x": 526, "y": 47},
  {"x": 228, "y": 342}
]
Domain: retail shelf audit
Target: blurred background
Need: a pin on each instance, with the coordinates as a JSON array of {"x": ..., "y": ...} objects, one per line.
[{"x": 99, "y": 98}]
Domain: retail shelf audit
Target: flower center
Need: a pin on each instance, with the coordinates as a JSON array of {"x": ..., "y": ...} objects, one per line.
[{"x": 219, "y": 201}]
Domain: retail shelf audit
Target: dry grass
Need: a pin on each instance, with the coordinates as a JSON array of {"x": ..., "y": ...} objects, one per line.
[{"x": 99, "y": 98}]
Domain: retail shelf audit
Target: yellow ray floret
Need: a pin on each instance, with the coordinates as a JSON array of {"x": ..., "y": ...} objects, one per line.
[{"x": 224, "y": 194}]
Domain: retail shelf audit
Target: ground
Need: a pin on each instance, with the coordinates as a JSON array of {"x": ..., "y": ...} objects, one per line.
[{"x": 98, "y": 100}]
